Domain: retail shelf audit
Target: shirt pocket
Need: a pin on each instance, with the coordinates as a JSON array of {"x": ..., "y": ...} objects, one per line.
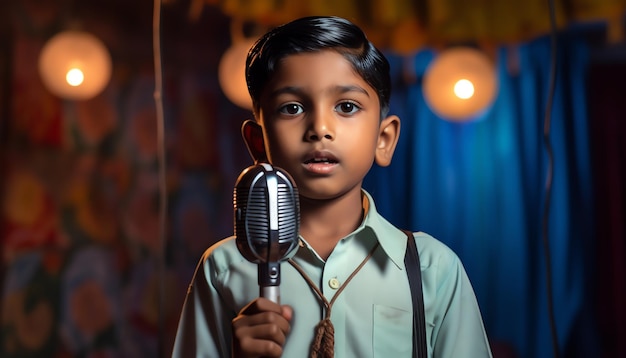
[{"x": 393, "y": 332}]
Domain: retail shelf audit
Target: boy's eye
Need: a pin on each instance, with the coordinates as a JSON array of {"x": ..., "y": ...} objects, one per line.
[
  {"x": 291, "y": 109},
  {"x": 347, "y": 108}
]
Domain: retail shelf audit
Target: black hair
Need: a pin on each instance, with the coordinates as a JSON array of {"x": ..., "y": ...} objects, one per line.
[{"x": 317, "y": 33}]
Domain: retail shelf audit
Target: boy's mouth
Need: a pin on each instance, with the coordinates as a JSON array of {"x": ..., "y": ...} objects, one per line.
[
  {"x": 320, "y": 161},
  {"x": 320, "y": 157}
]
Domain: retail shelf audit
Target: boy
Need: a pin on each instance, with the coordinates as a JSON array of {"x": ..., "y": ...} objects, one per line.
[{"x": 320, "y": 93}]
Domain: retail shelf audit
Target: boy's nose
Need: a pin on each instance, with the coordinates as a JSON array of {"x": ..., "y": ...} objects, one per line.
[{"x": 320, "y": 127}]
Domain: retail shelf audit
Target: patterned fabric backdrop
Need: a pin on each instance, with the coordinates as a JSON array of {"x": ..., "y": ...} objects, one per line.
[{"x": 81, "y": 248}]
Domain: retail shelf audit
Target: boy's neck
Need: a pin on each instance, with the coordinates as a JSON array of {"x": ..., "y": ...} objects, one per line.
[{"x": 324, "y": 222}]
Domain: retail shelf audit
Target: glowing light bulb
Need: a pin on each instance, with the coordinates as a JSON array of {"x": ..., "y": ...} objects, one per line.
[
  {"x": 464, "y": 89},
  {"x": 232, "y": 73},
  {"x": 75, "y": 77},
  {"x": 460, "y": 84},
  {"x": 75, "y": 65}
]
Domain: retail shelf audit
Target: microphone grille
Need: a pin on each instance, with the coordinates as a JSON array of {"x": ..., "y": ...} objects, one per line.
[
  {"x": 254, "y": 204},
  {"x": 256, "y": 224},
  {"x": 288, "y": 211}
]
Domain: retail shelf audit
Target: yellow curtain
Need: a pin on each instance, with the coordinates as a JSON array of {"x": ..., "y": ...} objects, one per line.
[{"x": 405, "y": 25}]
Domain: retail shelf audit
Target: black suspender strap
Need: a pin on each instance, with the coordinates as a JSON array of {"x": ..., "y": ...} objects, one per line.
[{"x": 414, "y": 272}]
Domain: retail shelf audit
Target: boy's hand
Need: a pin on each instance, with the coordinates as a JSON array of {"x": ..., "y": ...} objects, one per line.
[{"x": 260, "y": 329}]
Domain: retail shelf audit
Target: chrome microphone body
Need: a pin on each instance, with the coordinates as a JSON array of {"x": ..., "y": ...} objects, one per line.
[{"x": 267, "y": 221}]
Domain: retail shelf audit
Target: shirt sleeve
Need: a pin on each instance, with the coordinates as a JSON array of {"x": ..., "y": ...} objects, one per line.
[
  {"x": 205, "y": 320},
  {"x": 458, "y": 327}
]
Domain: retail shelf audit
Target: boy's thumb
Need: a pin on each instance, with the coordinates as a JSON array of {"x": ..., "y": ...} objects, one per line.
[{"x": 287, "y": 312}]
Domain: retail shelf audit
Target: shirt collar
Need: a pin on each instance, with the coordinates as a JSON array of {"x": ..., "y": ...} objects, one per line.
[{"x": 392, "y": 240}]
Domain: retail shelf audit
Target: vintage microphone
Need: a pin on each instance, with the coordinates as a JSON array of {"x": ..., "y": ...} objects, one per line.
[{"x": 267, "y": 220}]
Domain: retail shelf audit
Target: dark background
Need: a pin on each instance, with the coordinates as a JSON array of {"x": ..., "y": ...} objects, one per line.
[{"x": 85, "y": 272}]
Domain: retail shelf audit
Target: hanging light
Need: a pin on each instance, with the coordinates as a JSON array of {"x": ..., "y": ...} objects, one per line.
[
  {"x": 232, "y": 73},
  {"x": 75, "y": 65},
  {"x": 460, "y": 84},
  {"x": 232, "y": 66}
]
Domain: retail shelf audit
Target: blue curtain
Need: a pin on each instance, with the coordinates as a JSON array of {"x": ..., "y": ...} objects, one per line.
[{"x": 480, "y": 186}]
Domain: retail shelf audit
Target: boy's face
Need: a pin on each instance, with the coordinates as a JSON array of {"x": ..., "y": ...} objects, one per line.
[{"x": 321, "y": 123}]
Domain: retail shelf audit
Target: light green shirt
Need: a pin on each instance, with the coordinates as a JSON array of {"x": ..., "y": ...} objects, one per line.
[{"x": 373, "y": 314}]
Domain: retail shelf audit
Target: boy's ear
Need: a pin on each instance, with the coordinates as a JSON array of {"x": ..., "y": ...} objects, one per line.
[
  {"x": 387, "y": 140},
  {"x": 253, "y": 136}
]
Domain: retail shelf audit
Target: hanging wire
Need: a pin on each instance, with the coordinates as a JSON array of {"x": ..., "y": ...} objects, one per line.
[
  {"x": 549, "y": 175},
  {"x": 158, "y": 99}
]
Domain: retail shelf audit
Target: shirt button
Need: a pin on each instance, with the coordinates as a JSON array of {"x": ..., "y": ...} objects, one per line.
[{"x": 333, "y": 283}]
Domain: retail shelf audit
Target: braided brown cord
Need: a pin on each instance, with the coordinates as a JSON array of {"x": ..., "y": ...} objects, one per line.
[{"x": 323, "y": 345}]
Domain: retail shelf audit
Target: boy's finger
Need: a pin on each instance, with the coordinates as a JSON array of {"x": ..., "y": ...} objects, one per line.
[
  {"x": 262, "y": 334},
  {"x": 260, "y": 304},
  {"x": 270, "y": 332},
  {"x": 287, "y": 312},
  {"x": 251, "y": 347},
  {"x": 262, "y": 319}
]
